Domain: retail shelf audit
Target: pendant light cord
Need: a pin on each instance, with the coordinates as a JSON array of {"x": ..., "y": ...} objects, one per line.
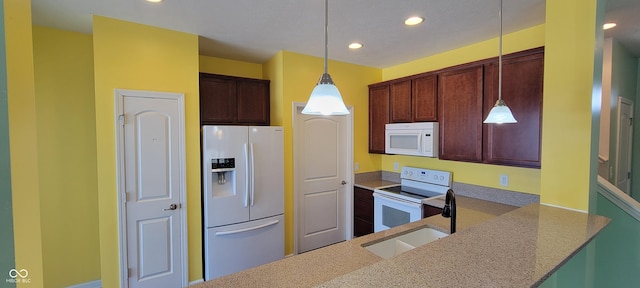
[
  {"x": 326, "y": 33},
  {"x": 500, "y": 57}
]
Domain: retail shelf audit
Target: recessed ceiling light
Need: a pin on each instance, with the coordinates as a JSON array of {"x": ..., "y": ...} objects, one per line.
[
  {"x": 355, "y": 45},
  {"x": 154, "y": 1},
  {"x": 609, "y": 25},
  {"x": 413, "y": 21}
]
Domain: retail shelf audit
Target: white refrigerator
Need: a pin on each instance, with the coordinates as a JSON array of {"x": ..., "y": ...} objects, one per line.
[{"x": 243, "y": 197}]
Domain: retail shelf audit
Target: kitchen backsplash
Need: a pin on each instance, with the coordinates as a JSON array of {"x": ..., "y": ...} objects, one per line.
[
  {"x": 495, "y": 195},
  {"x": 474, "y": 191}
]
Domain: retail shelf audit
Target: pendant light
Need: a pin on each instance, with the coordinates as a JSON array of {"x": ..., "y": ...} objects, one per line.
[
  {"x": 500, "y": 113},
  {"x": 325, "y": 99}
]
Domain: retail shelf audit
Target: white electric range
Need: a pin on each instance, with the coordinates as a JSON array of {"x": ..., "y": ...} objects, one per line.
[{"x": 401, "y": 204}]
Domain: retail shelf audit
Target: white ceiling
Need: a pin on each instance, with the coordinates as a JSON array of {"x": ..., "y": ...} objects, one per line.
[
  {"x": 626, "y": 13},
  {"x": 255, "y": 30}
]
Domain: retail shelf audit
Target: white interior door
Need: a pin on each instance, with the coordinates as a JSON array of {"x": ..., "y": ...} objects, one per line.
[
  {"x": 153, "y": 183},
  {"x": 323, "y": 180},
  {"x": 625, "y": 131}
]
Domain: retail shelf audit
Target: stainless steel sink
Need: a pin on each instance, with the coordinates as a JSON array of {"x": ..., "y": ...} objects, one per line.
[{"x": 405, "y": 242}]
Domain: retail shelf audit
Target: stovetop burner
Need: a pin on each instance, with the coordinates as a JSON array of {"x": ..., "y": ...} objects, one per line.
[
  {"x": 409, "y": 192},
  {"x": 418, "y": 184}
]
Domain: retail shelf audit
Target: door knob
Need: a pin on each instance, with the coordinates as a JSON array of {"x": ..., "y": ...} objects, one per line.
[
  {"x": 171, "y": 207},
  {"x": 343, "y": 182}
]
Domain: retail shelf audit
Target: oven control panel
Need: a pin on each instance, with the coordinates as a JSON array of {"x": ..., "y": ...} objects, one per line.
[{"x": 437, "y": 177}]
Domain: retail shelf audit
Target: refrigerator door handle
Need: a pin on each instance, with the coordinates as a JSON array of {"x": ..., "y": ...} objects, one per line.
[
  {"x": 246, "y": 178},
  {"x": 221, "y": 233},
  {"x": 253, "y": 179}
]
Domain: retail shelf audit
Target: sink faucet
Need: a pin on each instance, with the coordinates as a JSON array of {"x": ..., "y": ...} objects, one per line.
[{"x": 449, "y": 210}]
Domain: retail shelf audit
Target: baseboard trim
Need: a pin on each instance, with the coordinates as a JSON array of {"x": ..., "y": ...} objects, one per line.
[
  {"x": 565, "y": 208},
  {"x": 92, "y": 284},
  {"x": 197, "y": 281}
]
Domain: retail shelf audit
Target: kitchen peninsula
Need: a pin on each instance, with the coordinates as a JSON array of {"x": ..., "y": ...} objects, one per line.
[{"x": 519, "y": 248}]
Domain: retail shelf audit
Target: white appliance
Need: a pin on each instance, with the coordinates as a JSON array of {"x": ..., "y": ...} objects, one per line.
[
  {"x": 402, "y": 204},
  {"x": 417, "y": 139},
  {"x": 243, "y": 197}
]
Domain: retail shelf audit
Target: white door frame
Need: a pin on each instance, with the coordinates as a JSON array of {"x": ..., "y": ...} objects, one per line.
[
  {"x": 348, "y": 217},
  {"x": 120, "y": 94},
  {"x": 618, "y": 176}
]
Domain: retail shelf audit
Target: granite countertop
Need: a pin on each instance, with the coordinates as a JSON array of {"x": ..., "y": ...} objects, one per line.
[
  {"x": 375, "y": 184},
  {"x": 519, "y": 248}
]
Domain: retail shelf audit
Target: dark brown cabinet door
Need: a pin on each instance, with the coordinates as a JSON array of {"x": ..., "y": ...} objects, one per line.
[
  {"x": 460, "y": 114},
  {"x": 400, "y": 105},
  {"x": 522, "y": 82},
  {"x": 217, "y": 100},
  {"x": 233, "y": 100},
  {"x": 253, "y": 102},
  {"x": 362, "y": 211},
  {"x": 424, "y": 98},
  {"x": 378, "y": 116},
  {"x": 428, "y": 211}
]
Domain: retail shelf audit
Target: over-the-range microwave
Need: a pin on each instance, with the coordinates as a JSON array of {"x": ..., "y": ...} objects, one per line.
[{"x": 417, "y": 139}]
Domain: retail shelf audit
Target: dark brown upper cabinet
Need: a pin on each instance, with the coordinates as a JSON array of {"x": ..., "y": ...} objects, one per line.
[
  {"x": 516, "y": 144},
  {"x": 460, "y": 98},
  {"x": 424, "y": 98},
  {"x": 460, "y": 113},
  {"x": 227, "y": 100},
  {"x": 378, "y": 116},
  {"x": 400, "y": 105}
]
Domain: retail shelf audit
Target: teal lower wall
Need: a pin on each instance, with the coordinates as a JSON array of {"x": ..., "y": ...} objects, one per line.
[
  {"x": 7, "y": 259},
  {"x": 612, "y": 259},
  {"x": 618, "y": 248},
  {"x": 635, "y": 161}
]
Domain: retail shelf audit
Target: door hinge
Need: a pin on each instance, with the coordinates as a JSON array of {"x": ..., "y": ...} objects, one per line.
[
  {"x": 129, "y": 272},
  {"x": 629, "y": 175},
  {"x": 121, "y": 119}
]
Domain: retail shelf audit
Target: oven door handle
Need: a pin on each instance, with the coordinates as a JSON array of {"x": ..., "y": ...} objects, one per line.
[{"x": 396, "y": 200}]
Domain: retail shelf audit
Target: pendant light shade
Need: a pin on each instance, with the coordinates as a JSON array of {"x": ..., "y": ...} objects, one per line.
[
  {"x": 325, "y": 99},
  {"x": 500, "y": 113}
]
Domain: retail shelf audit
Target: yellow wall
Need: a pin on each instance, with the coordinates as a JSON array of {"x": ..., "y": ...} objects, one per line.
[
  {"x": 513, "y": 42},
  {"x": 525, "y": 180},
  {"x": 299, "y": 76},
  {"x": 566, "y": 121},
  {"x": 274, "y": 71},
  {"x": 23, "y": 141},
  {"x": 64, "y": 89},
  {"x": 139, "y": 57},
  {"x": 221, "y": 66}
]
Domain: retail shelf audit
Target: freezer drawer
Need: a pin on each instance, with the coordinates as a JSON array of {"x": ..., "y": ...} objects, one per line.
[{"x": 233, "y": 248}]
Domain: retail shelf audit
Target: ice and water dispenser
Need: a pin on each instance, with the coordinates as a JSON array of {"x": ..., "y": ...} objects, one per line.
[{"x": 223, "y": 169}]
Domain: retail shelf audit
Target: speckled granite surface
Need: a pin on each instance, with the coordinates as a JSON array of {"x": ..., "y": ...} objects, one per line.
[
  {"x": 520, "y": 248},
  {"x": 517, "y": 249},
  {"x": 375, "y": 180},
  {"x": 496, "y": 245}
]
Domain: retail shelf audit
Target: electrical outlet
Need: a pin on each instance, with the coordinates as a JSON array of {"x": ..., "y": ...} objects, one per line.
[
  {"x": 504, "y": 180},
  {"x": 356, "y": 166},
  {"x": 395, "y": 166}
]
